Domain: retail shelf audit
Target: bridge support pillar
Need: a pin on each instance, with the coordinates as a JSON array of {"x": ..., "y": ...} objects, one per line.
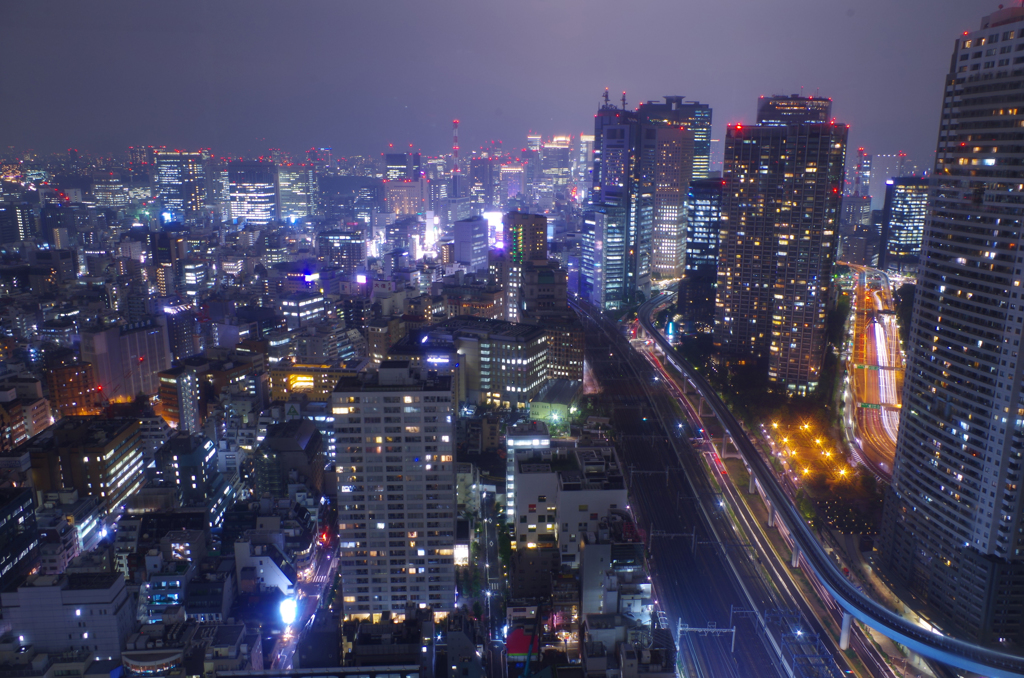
[
  {"x": 752, "y": 487},
  {"x": 771, "y": 515},
  {"x": 795, "y": 560},
  {"x": 700, "y": 408},
  {"x": 844, "y": 635}
]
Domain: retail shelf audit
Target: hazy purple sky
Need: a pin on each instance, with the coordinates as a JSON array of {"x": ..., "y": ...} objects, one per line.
[{"x": 244, "y": 76}]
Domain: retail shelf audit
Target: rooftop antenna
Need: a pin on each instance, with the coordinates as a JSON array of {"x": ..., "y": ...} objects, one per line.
[
  {"x": 607, "y": 101},
  {"x": 623, "y": 100}
]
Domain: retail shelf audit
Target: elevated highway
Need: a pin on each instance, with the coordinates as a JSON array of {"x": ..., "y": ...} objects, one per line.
[{"x": 944, "y": 649}]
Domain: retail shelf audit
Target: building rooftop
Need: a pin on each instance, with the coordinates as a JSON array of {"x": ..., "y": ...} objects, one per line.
[{"x": 395, "y": 375}]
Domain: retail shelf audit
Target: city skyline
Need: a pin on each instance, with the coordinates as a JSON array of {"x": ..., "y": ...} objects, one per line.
[{"x": 297, "y": 80}]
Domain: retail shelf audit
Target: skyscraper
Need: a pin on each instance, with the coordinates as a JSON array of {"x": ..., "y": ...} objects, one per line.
[
  {"x": 666, "y": 166},
  {"x": 526, "y": 238},
  {"x": 783, "y": 182},
  {"x": 181, "y": 183},
  {"x": 696, "y": 117},
  {"x": 402, "y": 166},
  {"x": 344, "y": 249},
  {"x": 952, "y": 523},
  {"x": 903, "y": 219},
  {"x": 703, "y": 224},
  {"x": 643, "y": 163},
  {"x": 296, "y": 191},
  {"x": 396, "y": 490},
  {"x": 616, "y": 137},
  {"x": 16, "y": 223},
  {"x": 471, "y": 243},
  {"x": 253, "y": 186}
]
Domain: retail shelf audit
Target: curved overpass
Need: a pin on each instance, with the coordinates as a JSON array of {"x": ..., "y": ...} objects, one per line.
[{"x": 958, "y": 653}]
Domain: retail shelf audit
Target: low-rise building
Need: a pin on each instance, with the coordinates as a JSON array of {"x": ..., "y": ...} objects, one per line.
[{"x": 79, "y": 612}]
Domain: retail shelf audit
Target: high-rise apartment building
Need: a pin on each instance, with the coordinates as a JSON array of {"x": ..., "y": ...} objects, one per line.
[
  {"x": 181, "y": 399},
  {"x": 780, "y": 213},
  {"x": 903, "y": 219},
  {"x": 253, "y": 189},
  {"x": 526, "y": 239},
  {"x": 953, "y": 526},
  {"x": 72, "y": 387},
  {"x": 181, "y": 183},
  {"x": 396, "y": 490}
]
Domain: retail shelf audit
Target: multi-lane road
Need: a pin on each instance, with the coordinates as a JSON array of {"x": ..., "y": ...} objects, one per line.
[{"x": 875, "y": 368}]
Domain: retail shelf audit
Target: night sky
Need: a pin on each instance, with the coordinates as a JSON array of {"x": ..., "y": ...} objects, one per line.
[{"x": 244, "y": 76}]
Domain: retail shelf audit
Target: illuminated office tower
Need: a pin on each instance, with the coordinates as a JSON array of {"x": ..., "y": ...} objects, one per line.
[
  {"x": 603, "y": 260},
  {"x": 643, "y": 164},
  {"x": 483, "y": 180},
  {"x": 402, "y": 166},
  {"x": 181, "y": 183},
  {"x": 862, "y": 173},
  {"x": 666, "y": 151},
  {"x": 696, "y": 117},
  {"x": 407, "y": 196},
  {"x": 616, "y": 135},
  {"x": 780, "y": 211},
  {"x": 193, "y": 279},
  {"x": 511, "y": 183},
  {"x": 344, "y": 249},
  {"x": 903, "y": 219},
  {"x": 953, "y": 526},
  {"x": 396, "y": 491},
  {"x": 296, "y": 191},
  {"x": 110, "y": 192},
  {"x": 253, "y": 187},
  {"x": 700, "y": 274},
  {"x": 526, "y": 239},
  {"x": 470, "y": 240},
  {"x": 556, "y": 169},
  {"x": 583, "y": 163},
  {"x": 183, "y": 336},
  {"x": 17, "y": 223}
]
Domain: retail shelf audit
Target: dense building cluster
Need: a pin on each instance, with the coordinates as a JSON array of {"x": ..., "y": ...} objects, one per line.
[{"x": 275, "y": 412}]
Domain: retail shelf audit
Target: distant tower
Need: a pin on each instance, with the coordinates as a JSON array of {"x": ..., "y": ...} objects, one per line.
[{"x": 455, "y": 143}]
